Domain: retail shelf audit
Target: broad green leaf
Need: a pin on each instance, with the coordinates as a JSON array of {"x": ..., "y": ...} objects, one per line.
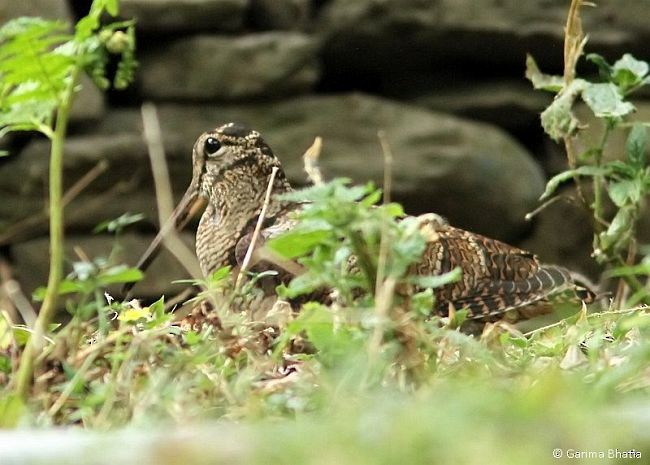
[
  {"x": 628, "y": 72},
  {"x": 67, "y": 286},
  {"x": 157, "y": 309},
  {"x": 618, "y": 231},
  {"x": 540, "y": 80},
  {"x": 558, "y": 179},
  {"x": 120, "y": 275},
  {"x": 606, "y": 101},
  {"x": 220, "y": 275},
  {"x": 394, "y": 209},
  {"x": 298, "y": 242},
  {"x": 627, "y": 191},
  {"x": 636, "y": 144}
]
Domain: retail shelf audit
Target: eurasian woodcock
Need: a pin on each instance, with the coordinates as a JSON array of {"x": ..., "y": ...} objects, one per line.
[{"x": 231, "y": 170}]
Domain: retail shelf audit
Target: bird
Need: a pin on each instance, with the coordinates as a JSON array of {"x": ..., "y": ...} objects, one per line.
[{"x": 232, "y": 166}]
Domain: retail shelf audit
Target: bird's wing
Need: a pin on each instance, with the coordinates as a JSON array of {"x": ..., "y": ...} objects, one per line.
[{"x": 496, "y": 277}]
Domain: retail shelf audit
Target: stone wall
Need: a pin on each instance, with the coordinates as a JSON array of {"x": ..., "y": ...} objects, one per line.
[{"x": 442, "y": 78}]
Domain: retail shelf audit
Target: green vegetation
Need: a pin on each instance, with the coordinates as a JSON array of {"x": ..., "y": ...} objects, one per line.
[
  {"x": 370, "y": 378},
  {"x": 40, "y": 65},
  {"x": 619, "y": 186}
]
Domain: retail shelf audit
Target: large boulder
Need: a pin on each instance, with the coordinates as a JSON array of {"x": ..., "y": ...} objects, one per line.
[
  {"x": 366, "y": 36},
  {"x": 155, "y": 16},
  {"x": 470, "y": 172},
  {"x": 228, "y": 68}
]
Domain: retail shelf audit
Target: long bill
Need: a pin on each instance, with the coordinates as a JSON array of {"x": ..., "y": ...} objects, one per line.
[{"x": 188, "y": 207}]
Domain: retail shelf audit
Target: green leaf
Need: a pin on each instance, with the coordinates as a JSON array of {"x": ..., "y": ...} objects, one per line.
[
  {"x": 604, "y": 68},
  {"x": 625, "y": 192},
  {"x": 628, "y": 72},
  {"x": 11, "y": 410},
  {"x": 220, "y": 275},
  {"x": 558, "y": 119},
  {"x": 540, "y": 80},
  {"x": 618, "y": 231},
  {"x": 435, "y": 281},
  {"x": 636, "y": 144},
  {"x": 67, "y": 286},
  {"x": 606, "y": 101},
  {"x": 120, "y": 275},
  {"x": 298, "y": 242},
  {"x": 157, "y": 309},
  {"x": 555, "y": 181},
  {"x": 118, "y": 224}
]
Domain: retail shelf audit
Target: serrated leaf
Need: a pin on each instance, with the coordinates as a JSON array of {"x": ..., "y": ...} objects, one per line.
[
  {"x": 636, "y": 144},
  {"x": 606, "y": 101},
  {"x": 540, "y": 80}
]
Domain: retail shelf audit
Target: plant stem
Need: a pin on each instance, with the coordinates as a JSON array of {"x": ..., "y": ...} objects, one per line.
[
  {"x": 34, "y": 346},
  {"x": 598, "y": 179}
]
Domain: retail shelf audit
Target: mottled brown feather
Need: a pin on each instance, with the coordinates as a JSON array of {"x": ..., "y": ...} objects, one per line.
[{"x": 498, "y": 280}]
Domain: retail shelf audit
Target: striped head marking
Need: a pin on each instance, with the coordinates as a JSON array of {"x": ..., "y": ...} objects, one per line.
[{"x": 227, "y": 149}]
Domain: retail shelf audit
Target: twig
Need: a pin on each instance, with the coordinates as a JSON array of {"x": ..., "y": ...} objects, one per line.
[
  {"x": 530, "y": 215},
  {"x": 171, "y": 239},
  {"x": 383, "y": 241},
  {"x": 15, "y": 295},
  {"x": 574, "y": 42},
  {"x": 384, "y": 288},
  {"x": 256, "y": 232},
  {"x": 28, "y": 224},
  {"x": 310, "y": 160}
]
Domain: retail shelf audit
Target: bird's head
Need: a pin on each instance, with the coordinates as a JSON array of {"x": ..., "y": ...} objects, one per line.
[
  {"x": 231, "y": 155},
  {"x": 231, "y": 150}
]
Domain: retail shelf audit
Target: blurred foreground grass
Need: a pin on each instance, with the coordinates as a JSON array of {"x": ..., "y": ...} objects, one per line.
[{"x": 580, "y": 387}]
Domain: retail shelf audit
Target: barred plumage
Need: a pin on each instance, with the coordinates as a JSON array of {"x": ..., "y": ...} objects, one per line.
[{"x": 231, "y": 169}]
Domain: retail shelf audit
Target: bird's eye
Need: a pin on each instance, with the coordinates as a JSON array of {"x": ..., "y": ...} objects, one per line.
[{"x": 211, "y": 146}]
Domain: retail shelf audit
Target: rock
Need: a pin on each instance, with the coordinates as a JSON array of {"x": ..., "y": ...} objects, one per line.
[
  {"x": 211, "y": 67},
  {"x": 280, "y": 14},
  {"x": 155, "y": 16},
  {"x": 454, "y": 167},
  {"x": 126, "y": 185},
  {"x": 381, "y": 36},
  {"x": 512, "y": 105},
  {"x": 31, "y": 268},
  {"x": 49, "y": 9}
]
